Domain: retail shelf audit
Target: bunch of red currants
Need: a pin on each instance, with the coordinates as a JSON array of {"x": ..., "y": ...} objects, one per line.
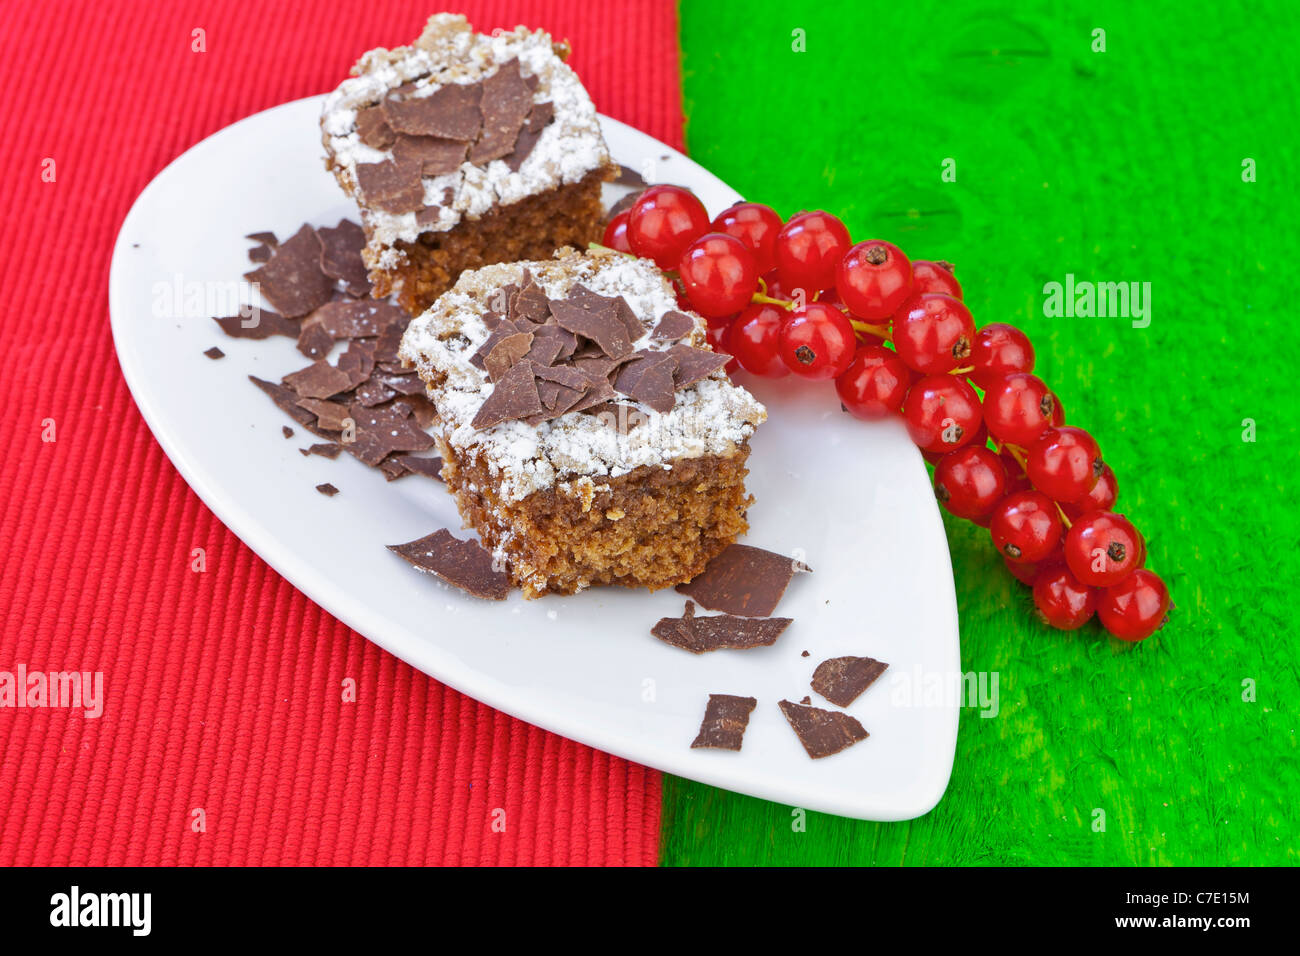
[{"x": 799, "y": 297}]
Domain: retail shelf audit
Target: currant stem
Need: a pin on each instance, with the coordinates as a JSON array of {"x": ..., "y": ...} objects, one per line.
[
  {"x": 1061, "y": 511},
  {"x": 768, "y": 300},
  {"x": 879, "y": 331}
]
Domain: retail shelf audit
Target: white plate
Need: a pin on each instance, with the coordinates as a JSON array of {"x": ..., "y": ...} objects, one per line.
[{"x": 852, "y": 498}]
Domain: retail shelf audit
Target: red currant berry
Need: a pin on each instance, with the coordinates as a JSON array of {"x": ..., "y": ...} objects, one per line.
[
  {"x": 1064, "y": 463},
  {"x": 1025, "y": 526},
  {"x": 1062, "y": 601},
  {"x": 717, "y": 336},
  {"x": 616, "y": 233},
  {"x": 1024, "y": 571},
  {"x": 942, "y": 413},
  {"x": 756, "y": 226},
  {"x": 970, "y": 481},
  {"x": 663, "y": 222},
  {"x": 1017, "y": 479},
  {"x": 755, "y": 340},
  {"x": 1102, "y": 497},
  {"x": 999, "y": 349},
  {"x": 873, "y": 279},
  {"x": 817, "y": 341},
  {"x": 933, "y": 333},
  {"x": 934, "y": 277},
  {"x": 875, "y": 384},
  {"x": 719, "y": 275},
  {"x": 1102, "y": 548},
  {"x": 1018, "y": 407},
  {"x": 808, "y": 249},
  {"x": 1136, "y": 607},
  {"x": 1058, "y": 413}
]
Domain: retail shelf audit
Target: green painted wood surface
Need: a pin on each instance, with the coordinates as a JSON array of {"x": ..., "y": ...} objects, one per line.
[{"x": 1123, "y": 165}]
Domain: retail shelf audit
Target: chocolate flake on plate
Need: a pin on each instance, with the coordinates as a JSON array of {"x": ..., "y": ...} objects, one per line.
[
  {"x": 286, "y": 399},
  {"x": 715, "y": 632},
  {"x": 743, "y": 580},
  {"x": 265, "y": 238},
  {"x": 627, "y": 176},
  {"x": 326, "y": 449},
  {"x": 214, "y": 353},
  {"x": 340, "y": 255},
  {"x": 841, "y": 679},
  {"x": 429, "y": 467},
  {"x": 292, "y": 281},
  {"x": 373, "y": 393},
  {"x": 320, "y": 379},
  {"x": 822, "y": 732},
  {"x": 328, "y": 490},
  {"x": 314, "y": 341},
  {"x": 330, "y": 416},
  {"x": 382, "y": 431},
  {"x": 463, "y": 564},
  {"x": 265, "y": 323},
  {"x": 286, "y": 431},
  {"x": 725, "y": 720},
  {"x": 673, "y": 326}
]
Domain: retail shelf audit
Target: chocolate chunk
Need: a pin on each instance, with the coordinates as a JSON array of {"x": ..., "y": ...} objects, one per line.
[
  {"x": 715, "y": 632},
  {"x": 673, "y": 326},
  {"x": 463, "y": 564},
  {"x": 314, "y": 341},
  {"x": 261, "y": 324},
  {"x": 320, "y": 379},
  {"x": 382, "y": 431},
  {"x": 694, "y": 364},
  {"x": 265, "y": 238},
  {"x": 603, "y": 327},
  {"x": 529, "y": 302},
  {"x": 293, "y": 281},
  {"x": 260, "y": 254},
  {"x": 508, "y": 351},
  {"x": 393, "y": 468},
  {"x": 648, "y": 379},
  {"x": 328, "y": 490},
  {"x": 330, "y": 416},
  {"x": 805, "y": 700},
  {"x": 725, "y": 720},
  {"x": 373, "y": 128},
  {"x": 436, "y": 157},
  {"x": 451, "y": 112},
  {"x": 373, "y": 393},
  {"x": 391, "y": 186},
  {"x": 286, "y": 431},
  {"x": 629, "y": 177},
  {"x": 803, "y": 653},
  {"x": 506, "y": 104},
  {"x": 743, "y": 580},
  {"x": 286, "y": 399},
  {"x": 214, "y": 353},
  {"x": 326, "y": 449},
  {"x": 822, "y": 732},
  {"x": 841, "y": 679},
  {"x": 429, "y": 467},
  {"x": 340, "y": 255},
  {"x": 514, "y": 397}
]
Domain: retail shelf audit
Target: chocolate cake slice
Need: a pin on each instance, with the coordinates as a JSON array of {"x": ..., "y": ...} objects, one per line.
[
  {"x": 588, "y": 433},
  {"x": 463, "y": 150}
]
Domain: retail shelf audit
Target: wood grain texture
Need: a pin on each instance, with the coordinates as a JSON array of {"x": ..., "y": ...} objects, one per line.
[{"x": 1122, "y": 165}]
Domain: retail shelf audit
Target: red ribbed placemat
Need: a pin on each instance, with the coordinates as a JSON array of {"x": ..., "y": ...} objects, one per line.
[{"x": 223, "y": 689}]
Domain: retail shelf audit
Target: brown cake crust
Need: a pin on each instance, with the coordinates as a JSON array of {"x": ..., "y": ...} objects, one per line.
[{"x": 651, "y": 528}]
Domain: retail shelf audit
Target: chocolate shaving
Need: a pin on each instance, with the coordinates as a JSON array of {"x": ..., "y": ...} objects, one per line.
[
  {"x": 340, "y": 256},
  {"x": 506, "y": 353},
  {"x": 529, "y": 302},
  {"x": 358, "y": 362},
  {"x": 318, "y": 380},
  {"x": 648, "y": 379},
  {"x": 292, "y": 281},
  {"x": 629, "y": 177},
  {"x": 382, "y": 431},
  {"x": 286, "y": 431},
  {"x": 822, "y": 732},
  {"x": 265, "y": 324},
  {"x": 326, "y": 449},
  {"x": 540, "y": 116},
  {"x": 463, "y": 564},
  {"x": 403, "y": 384},
  {"x": 725, "y": 720},
  {"x": 715, "y": 632},
  {"x": 214, "y": 353},
  {"x": 330, "y": 416},
  {"x": 260, "y": 254},
  {"x": 393, "y": 468},
  {"x": 524, "y": 145},
  {"x": 842, "y": 679},
  {"x": 328, "y": 490},
  {"x": 314, "y": 341},
  {"x": 390, "y": 338},
  {"x": 674, "y": 325},
  {"x": 694, "y": 364},
  {"x": 436, "y": 157},
  {"x": 265, "y": 238},
  {"x": 514, "y": 397},
  {"x": 743, "y": 580},
  {"x": 373, "y": 128},
  {"x": 373, "y": 393},
  {"x": 602, "y": 327},
  {"x": 418, "y": 407},
  {"x": 286, "y": 399},
  {"x": 429, "y": 467},
  {"x": 506, "y": 104},
  {"x": 451, "y": 112},
  {"x": 391, "y": 186}
]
